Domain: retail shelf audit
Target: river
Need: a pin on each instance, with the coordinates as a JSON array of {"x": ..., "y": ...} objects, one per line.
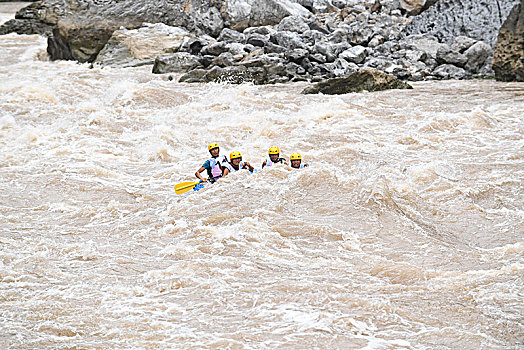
[{"x": 405, "y": 232}]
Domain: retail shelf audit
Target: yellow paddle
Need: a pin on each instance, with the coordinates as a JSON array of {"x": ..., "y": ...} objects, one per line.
[{"x": 185, "y": 186}]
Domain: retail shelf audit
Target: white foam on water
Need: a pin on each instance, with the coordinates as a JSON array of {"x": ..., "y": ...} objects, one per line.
[{"x": 404, "y": 232}]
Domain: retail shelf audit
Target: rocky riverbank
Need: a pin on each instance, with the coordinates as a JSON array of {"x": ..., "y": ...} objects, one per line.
[{"x": 269, "y": 41}]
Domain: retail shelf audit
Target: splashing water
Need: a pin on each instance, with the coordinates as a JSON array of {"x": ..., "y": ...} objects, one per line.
[{"x": 405, "y": 231}]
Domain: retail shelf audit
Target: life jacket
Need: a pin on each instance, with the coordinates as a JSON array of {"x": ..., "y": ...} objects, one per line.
[
  {"x": 241, "y": 166},
  {"x": 216, "y": 170},
  {"x": 279, "y": 161},
  {"x": 301, "y": 166}
]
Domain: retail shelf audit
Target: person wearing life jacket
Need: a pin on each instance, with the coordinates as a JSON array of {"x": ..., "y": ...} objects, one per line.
[
  {"x": 274, "y": 158},
  {"x": 296, "y": 161},
  {"x": 216, "y": 166},
  {"x": 236, "y": 163}
]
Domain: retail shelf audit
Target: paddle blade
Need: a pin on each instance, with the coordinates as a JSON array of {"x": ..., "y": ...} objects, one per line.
[{"x": 184, "y": 187}]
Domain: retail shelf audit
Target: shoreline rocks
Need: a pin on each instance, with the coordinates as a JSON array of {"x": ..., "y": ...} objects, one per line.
[
  {"x": 266, "y": 41},
  {"x": 366, "y": 79}
]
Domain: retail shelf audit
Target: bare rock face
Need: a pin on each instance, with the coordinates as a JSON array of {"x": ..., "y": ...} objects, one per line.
[
  {"x": 449, "y": 19},
  {"x": 508, "y": 59},
  {"x": 366, "y": 79},
  {"x": 79, "y": 29}
]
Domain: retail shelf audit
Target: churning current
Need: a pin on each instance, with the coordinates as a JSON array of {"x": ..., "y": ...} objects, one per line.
[{"x": 405, "y": 232}]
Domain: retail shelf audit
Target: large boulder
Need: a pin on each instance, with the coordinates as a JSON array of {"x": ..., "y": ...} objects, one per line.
[
  {"x": 508, "y": 59},
  {"x": 366, "y": 79},
  {"x": 135, "y": 47},
  {"x": 476, "y": 19},
  {"x": 26, "y": 22},
  {"x": 241, "y": 14},
  {"x": 477, "y": 56},
  {"x": 179, "y": 62}
]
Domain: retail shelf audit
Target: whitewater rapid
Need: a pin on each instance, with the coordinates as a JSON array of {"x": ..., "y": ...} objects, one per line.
[{"x": 406, "y": 231}]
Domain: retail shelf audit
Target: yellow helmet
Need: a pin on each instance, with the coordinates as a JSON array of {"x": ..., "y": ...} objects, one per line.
[
  {"x": 274, "y": 150},
  {"x": 212, "y": 145},
  {"x": 235, "y": 155},
  {"x": 295, "y": 156}
]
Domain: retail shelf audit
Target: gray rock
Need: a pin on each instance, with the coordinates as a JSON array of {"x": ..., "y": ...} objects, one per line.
[
  {"x": 317, "y": 6},
  {"x": 276, "y": 73},
  {"x": 326, "y": 50},
  {"x": 380, "y": 63},
  {"x": 274, "y": 48},
  {"x": 260, "y": 59},
  {"x": 360, "y": 35},
  {"x": 237, "y": 49},
  {"x": 425, "y": 43},
  {"x": 418, "y": 71},
  {"x": 415, "y": 55},
  {"x": 175, "y": 63},
  {"x": 206, "y": 60},
  {"x": 289, "y": 40},
  {"x": 294, "y": 70},
  {"x": 339, "y": 48},
  {"x": 230, "y": 35},
  {"x": 389, "y": 5},
  {"x": 341, "y": 67},
  {"x": 293, "y": 24},
  {"x": 462, "y": 43},
  {"x": 449, "y": 71},
  {"x": 215, "y": 48},
  {"x": 241, "y": 14},
  {"x": 399, "y": 54},
  {"x": 366, "y": 79},
  {"x": 212, "y": 21},
  {"x": 311, "y": 37},
  {"x": 225, "y": 59},
  {"x": 339, "y": 3},
  {"x": 317, "y": 25},
  {"x": 194, "y": 76},
  {"x": 431, "y": 63},
  {"x": 263, "y": 30},
  {"x": 376, "y": 41},
  {"x": 449, "y": 19},
  {"x": 447, "y": 55},
  {"x": 32, "y": 20},
  {"x": 317, "y": 57},
  {"x": 256, "y": 39},
  {"x": 356, "y": 54},
  {"x": 340, "y": 35},
  {"x": 508, "y": 59},
  {"x": 477, "y": 56},
  {"x": 397, "y": 70},
  {"x": 24, "y": 26},
  {"x": 296, "y": 55},
  {"x": 386, "y": 48}
]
